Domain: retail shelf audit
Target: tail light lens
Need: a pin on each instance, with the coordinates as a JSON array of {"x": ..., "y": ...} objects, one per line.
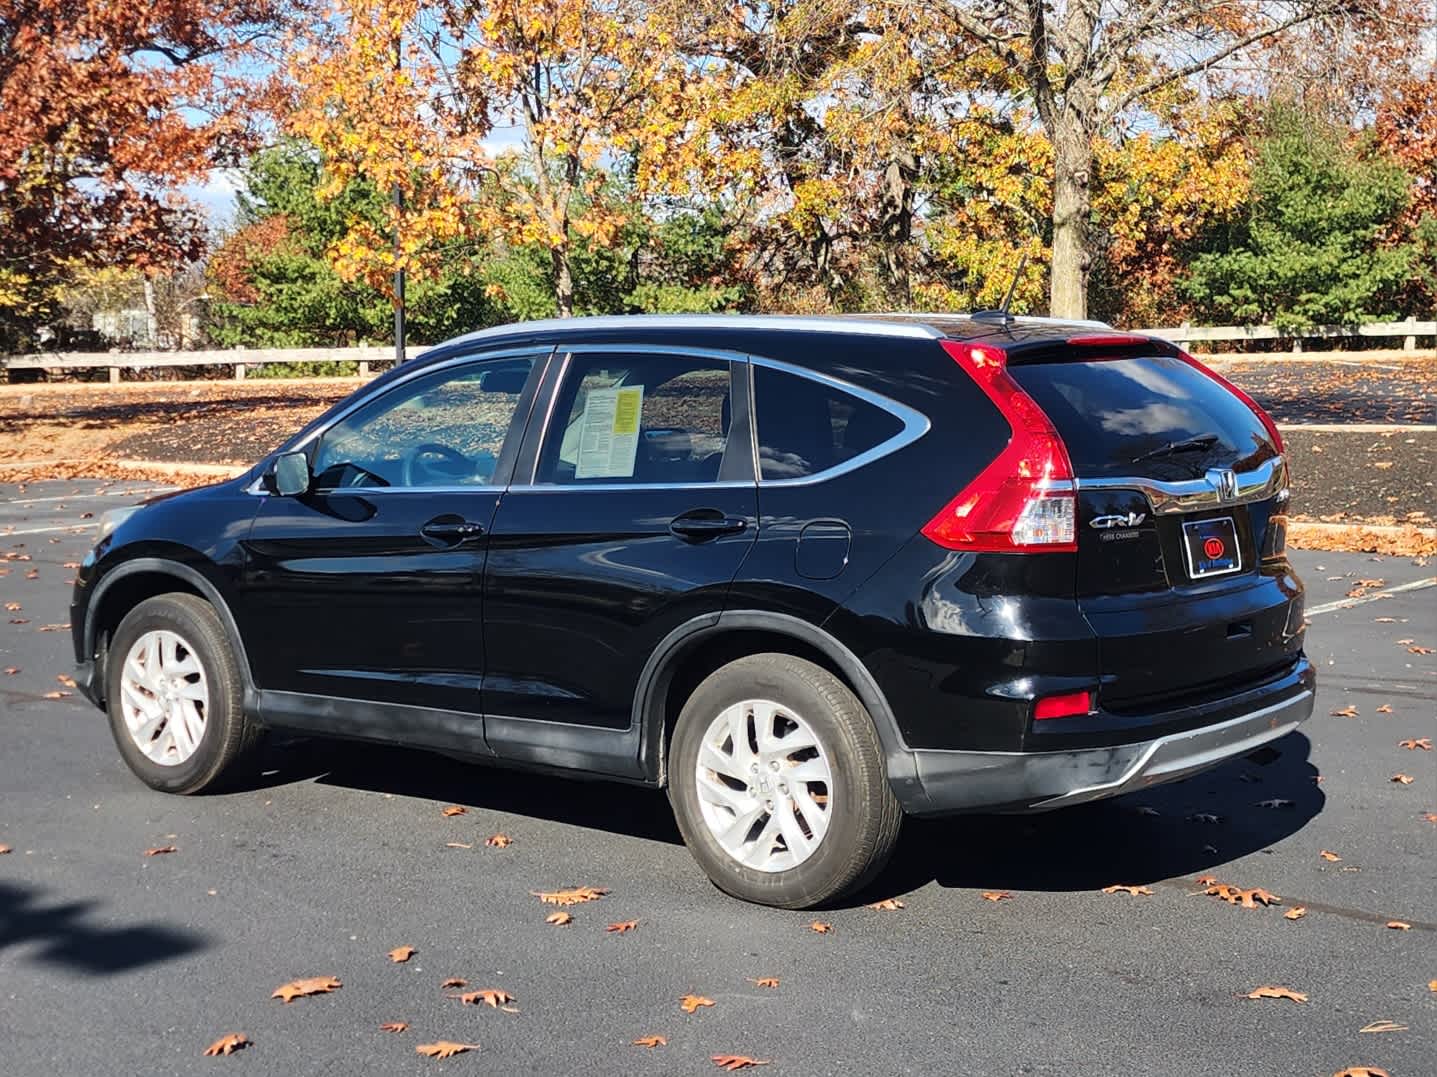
[
  {"x": 1026, "y": 498},
  {"x": 1067, "y": 705},
  {"x": 1257, "y": 409}
]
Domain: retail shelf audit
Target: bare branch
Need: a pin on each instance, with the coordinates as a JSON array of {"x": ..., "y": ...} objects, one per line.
[{"x": 1209, "y": 62}]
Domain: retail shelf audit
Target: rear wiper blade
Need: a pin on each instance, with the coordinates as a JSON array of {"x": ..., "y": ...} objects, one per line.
[{"x": 1193, "y": 444}]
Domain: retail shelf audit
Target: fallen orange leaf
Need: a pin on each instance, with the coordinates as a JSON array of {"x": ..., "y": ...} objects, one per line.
[
  {"x": 574, "y": 896},
  {"x": 454, "y": 809},
  {"x": 1330, "y": 856},
  {"x": 1348, "y": 711},
  {"x": 996, "y": 895},
  {"x": 56, "y": 695},
  {"x": 10, "y": 671},
  {"x": 401, "y": 954},
  {"x": 1412, "y": 744},
  {"x": 453, "y": 981},
  {"x": 314, "y": 985},
  {"x": 1276, "y": 992},
  {"x": 161, "y": 850},
  {"x": 1399, "y": 925},
  {"x": 737, "y": 1062},
  {"x": 4, "y": 849},
  {"x": 690, "y": 1003},
  {"x": 887, "y": 905},
  {"x": 1119, "y": 888},
  {"x": 1419, "y": 650},
  {"x": 764, "y": 981},
  {"x": 444, "y": 1049},
  {"x": 488, "y": 996},
  {"x": 1362, "y": 1071},
  {"x": 1297, "y": 912},
  {"x": 64, "y": 679},
  {"x": 1206, "y": 880},
  {"x": 394, "y": 1026},
  {"x": 227, "y": 1044},
  {"x": 622, "y": 927},
  {"x": 559, "y": 919},
  {"x": 1402, "y": 779},
  {"x": 499, "y": 841},
  {"x": 650, "y": 1041},
  {"x": 1430, "y": 816},
  {"x": 819, "y": 927},
  {"x": 1382, "y": 1026},
  {"x": 1386, "y": 708}
]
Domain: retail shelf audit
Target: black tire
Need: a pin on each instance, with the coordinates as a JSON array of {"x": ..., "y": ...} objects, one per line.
[
  {"x": 229, "y": 737},
  {"x": 865, "y": 817}
]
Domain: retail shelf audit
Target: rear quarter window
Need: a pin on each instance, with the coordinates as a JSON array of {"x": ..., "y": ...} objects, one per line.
[
  {"x": 806, "y": 426},
  {"x": 1113, "y": 413}
]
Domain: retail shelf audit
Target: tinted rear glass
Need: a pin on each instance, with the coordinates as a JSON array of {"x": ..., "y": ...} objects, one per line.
[
  {"x": 1117, "y": 416},
  {"x": 806, "y": 426}
]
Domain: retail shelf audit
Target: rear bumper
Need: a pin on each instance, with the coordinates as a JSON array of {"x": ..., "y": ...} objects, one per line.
[{"x": 957, "y": 781}]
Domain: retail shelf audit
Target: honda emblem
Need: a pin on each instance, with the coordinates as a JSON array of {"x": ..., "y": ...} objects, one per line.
[{"x": 1224, "y": 481}]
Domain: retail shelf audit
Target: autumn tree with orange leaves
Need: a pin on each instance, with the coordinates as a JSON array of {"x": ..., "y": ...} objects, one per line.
[{"x": 105, "y": 110}]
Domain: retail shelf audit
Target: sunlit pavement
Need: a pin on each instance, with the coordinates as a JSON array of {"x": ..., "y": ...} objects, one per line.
[{"x": 114, "y": 963}]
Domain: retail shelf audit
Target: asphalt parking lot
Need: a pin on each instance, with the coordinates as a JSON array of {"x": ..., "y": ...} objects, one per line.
[{"x": 117, "y": 963}]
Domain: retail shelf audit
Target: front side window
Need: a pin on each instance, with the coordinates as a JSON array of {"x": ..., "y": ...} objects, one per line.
[
  {"x": 806, "y": 426},
  {"x": 647, "y": 418},
  {"x": 441, "y": 429}
]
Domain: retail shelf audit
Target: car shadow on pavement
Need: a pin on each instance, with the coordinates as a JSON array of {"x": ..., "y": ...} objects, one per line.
[
  {"x": 1187, "y": 827},
  {"x": 65, "y": 939},
  {"x": 620, "y": 809}
]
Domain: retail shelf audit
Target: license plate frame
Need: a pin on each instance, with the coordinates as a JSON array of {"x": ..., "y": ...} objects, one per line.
[{"x": 1203, "y": 560}]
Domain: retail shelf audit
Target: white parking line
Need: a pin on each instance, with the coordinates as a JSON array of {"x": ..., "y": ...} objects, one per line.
[
  {"x": 1345, "y": 603},
  {"x": 91, "y": 497},
  {"x": 76, "y": 528}
]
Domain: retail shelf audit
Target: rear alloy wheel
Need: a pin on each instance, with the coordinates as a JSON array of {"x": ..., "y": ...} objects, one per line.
[
  {"x": 778, "y": 783},
  {"x": 764, "y": 785},
  {"x": 174, "y": 694}
]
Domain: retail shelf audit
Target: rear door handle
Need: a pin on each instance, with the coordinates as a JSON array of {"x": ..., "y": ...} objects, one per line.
[
  {"x": 451, "y": 530},
  {"x": 704, "y": 525}
]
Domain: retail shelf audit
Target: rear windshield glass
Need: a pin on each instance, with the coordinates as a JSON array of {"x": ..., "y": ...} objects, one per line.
[{"x": 1155, "y": 417}]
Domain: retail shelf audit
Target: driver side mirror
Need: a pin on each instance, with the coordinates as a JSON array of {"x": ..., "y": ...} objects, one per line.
[{"x": 290, "y": 474}]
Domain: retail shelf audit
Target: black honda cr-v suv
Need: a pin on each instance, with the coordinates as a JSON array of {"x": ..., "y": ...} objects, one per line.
[{"x": 808, "y": 574}]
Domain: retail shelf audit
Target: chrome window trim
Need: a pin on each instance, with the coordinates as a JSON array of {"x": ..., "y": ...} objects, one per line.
[
  {"x": 256, "y": 488},
  {"x": 568, "y": 352},
  {"x": 915, "y": 424},
  {"x": 787, "y": 322},
  {"x": 610, "y": 487},
  {"x": 1190, "y": 495}
]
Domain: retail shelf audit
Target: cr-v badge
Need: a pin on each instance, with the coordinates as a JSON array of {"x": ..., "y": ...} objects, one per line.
[{"x": 1132, "y": 519}]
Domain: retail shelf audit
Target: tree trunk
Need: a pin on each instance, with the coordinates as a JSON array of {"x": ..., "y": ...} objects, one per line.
[
  {"x": 563, "y": 282},
  {"x": 896, "y": 225},
  {"x": 152, "y": 317},
  {"x": 1072, "y": 166}
]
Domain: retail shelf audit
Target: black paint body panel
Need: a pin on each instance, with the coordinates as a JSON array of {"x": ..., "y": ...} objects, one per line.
[{"x": 548, "y": 640}]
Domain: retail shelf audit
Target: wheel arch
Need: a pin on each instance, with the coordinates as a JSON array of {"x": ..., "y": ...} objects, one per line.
[
  {"x": 698, "y": 647},
  {"x": 132, "y": 582}
]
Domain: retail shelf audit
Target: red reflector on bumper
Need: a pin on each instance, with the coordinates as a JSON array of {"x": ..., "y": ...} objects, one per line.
[{"x": 1068, "y": 705}]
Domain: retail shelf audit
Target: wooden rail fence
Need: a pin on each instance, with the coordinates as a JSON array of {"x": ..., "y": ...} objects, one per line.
[{"x": 239, "y": 360}]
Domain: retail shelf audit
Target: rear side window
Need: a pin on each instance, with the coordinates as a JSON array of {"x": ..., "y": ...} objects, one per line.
[
  {"x": 652, "y": 418},
  {"x": 806, "y": 426},
  {"x": 1126, "y": 416}
]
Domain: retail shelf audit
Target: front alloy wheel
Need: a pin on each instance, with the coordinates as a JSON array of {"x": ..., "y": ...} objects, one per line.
[{"x": 164, "y": 697}]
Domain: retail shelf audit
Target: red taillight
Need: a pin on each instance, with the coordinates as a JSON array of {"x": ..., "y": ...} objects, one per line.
[
  {"x": 1230, "y": 387},
  {"x": 1026, "y": 499},
  {"x": 1067, "y": 705}
]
